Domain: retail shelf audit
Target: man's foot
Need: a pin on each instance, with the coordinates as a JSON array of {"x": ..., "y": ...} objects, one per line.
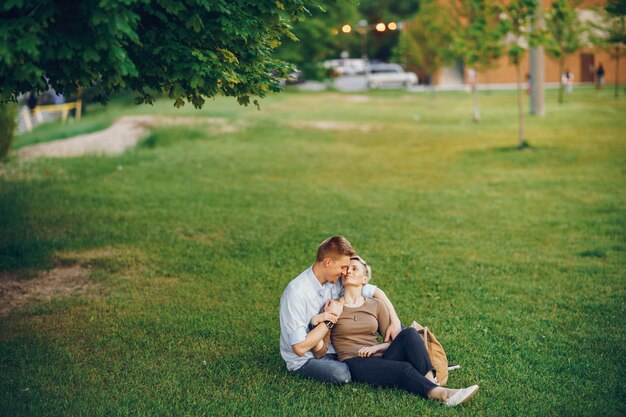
[
  {"x": 461, "y": 396},
  {"x": 453, "y": 366}
]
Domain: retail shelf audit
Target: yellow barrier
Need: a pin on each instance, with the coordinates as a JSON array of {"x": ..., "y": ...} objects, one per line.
[{"x": 63, "y": 108}]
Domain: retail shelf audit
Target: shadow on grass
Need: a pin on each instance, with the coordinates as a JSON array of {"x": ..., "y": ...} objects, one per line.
[
  {"x": 21, "y": 246},
  {"x": 167, "y": 136},
  {"x": 528, "y": 157},
  {"x": 39, "y": 218},
  {"x": 593, "y": 253},
  {"x": 519, "y": 149}
]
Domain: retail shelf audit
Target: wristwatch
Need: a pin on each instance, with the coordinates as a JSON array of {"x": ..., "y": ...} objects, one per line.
[{"x": 329, "y": 324}]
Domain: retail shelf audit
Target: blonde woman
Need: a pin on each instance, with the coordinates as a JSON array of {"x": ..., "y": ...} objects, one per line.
[{"x": 403, "y": 363}]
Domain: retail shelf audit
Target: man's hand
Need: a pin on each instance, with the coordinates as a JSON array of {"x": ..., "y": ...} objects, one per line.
[
  {"x": 322, "y": 317},
  {"x": 333, "y": 307},
  {"x": 392, "y": 331}
]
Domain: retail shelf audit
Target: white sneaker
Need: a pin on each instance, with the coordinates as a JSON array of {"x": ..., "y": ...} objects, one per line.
[
  {"x": 461, "y": 396},
  {"x": 453, "y": 366}
]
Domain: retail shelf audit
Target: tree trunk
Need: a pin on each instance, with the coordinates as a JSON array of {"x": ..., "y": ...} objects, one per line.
[
  {"x": 521, "y": 141},
  {"x": 561, "y": 86},
  {"x": 617, "y": 57},
  {"x": 476, "y": 109}
]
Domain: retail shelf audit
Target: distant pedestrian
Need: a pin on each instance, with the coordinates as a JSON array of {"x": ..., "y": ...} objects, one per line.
[
  {"x": 57, "y": 98},
  {"x": 599, "y": 76},
  {"x": 32, "y": 102},
  {"x": 567, "y": 79}
]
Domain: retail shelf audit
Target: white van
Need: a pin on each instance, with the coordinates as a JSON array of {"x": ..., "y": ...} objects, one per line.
[{"x": 389, "y": 75}]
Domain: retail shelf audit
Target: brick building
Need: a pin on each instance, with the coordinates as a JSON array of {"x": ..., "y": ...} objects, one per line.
[{"x": 582, "y": 64}]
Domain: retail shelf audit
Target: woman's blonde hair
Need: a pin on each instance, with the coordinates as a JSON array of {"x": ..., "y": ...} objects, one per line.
[{"x": 368, "y": 269}]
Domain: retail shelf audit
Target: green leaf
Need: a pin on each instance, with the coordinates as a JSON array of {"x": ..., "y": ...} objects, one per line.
[
  {"x": 178, "y": 48},
  {"x": 195, "y": 22}
]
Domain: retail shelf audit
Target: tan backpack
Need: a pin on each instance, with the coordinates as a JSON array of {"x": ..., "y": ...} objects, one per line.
[{"x": 435, "y": 351}]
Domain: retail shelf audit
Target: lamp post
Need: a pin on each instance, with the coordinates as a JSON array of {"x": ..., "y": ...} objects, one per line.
[{"x": 363, "y": 32}]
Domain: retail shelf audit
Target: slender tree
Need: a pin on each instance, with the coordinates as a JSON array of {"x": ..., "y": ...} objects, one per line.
[
  {"x": 564, "y": 31},
  {"x": 517, "y": 19},
  {"x": 477, "y": 38},
  {"x": 617, "y": 34},
  {"x": 609, "y": 33}
]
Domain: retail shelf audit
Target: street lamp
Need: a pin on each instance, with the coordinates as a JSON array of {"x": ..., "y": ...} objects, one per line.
[
  {"x": 363, "y": 30},
  {"x": 364, "y": 27}
]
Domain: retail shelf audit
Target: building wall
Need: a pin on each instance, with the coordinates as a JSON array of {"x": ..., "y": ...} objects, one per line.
[{"x": 504, "y": 72}]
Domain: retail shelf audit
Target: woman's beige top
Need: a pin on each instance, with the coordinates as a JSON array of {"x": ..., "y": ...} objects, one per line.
[{"x": 357, "y": 327}]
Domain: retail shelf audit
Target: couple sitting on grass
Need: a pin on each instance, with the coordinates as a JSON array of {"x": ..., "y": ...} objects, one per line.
[{"x": 334, "y": 294}]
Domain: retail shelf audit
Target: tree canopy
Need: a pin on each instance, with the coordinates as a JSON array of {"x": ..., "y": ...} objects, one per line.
[
  {"x": 425, "y": 42},
  {"x": 189, "y": 50},
  {"x": 381, "y": 44},
  {"x": 616, "y": 31},
  {"x": 319, "y": 37},
  {"x": 564, "y": 29},
  {"x": 565, "y": 32},
  {"x": 479, "y": 32}
]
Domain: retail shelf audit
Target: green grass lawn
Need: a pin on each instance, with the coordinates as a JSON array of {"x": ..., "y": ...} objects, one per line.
[{"x": 515, "y": 259}]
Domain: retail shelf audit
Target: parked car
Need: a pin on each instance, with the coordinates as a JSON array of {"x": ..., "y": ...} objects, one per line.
[
  {"x": 294, "y": 77},
  {"x": 389, "y": 75},
  {"x": 346, "y": 67}
]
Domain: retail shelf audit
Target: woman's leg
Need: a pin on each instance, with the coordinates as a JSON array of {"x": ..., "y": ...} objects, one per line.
[
  {"x": 390, "y": 373},
  {"x": 408, "y": 346}
]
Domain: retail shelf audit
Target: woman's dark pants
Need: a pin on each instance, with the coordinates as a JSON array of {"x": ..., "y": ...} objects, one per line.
[{"x": 403, "y": 365}]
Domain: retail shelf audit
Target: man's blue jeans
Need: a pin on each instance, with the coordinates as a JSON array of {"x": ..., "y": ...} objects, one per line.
[{"x": 326, "y": 369}]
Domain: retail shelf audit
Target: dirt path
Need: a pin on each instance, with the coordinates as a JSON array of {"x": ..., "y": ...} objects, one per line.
[
  {"x": 127, "y": 131},
  {"x": 123, "y": 134}
]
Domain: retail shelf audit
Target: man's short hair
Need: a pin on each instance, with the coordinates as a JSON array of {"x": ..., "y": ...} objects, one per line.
[{"x": 334, "y": 247}]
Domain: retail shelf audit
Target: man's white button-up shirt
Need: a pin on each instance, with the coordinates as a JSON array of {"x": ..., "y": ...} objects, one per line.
[{"x": 303, "y": 299}]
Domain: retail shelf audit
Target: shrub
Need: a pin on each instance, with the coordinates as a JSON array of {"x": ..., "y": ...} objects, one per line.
[{"x": 8, "y": 123}]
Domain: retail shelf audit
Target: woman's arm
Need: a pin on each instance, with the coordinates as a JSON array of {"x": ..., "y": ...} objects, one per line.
[
  {"x": 384, "y": 319},
  {"x": 367, "y": 351},
  {"x": 394, "y": 327}
]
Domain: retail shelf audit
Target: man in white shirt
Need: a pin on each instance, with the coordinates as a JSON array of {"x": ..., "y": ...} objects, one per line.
[{"x": 307, "y": 312}]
